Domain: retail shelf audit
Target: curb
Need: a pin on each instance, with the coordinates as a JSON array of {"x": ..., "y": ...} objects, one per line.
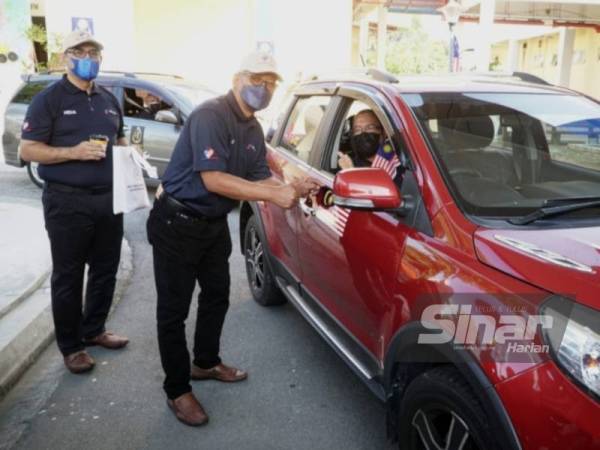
[
  {"x": 35, "y": 338},
  {"x": 33, "y": 287}
]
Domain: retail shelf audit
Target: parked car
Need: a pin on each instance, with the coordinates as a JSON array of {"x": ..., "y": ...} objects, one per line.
[
  {"x": 496, "y": 224},
  {"x": 157, "y": 134}
]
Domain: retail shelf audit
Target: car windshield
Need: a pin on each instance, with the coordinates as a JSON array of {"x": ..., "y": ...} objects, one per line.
[
  {"x": 508, "y": 154},
  {"x": 190, "y": 95}
]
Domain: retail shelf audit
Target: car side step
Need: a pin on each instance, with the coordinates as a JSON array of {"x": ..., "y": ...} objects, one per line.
[{"x": 367, "y": 375}]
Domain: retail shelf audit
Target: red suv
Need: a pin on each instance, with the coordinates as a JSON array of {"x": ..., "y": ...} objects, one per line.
[{"x": 466, "y": 295}]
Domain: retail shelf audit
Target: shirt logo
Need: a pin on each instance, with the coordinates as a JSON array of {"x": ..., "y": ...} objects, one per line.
[
  {"x": 209, "y": 153},
  {"x": 250, "y": 147},
  {"x": 69, "y": 112},
  {"x": 110, "y": 111},
  {"x": 26, "y": 126}
]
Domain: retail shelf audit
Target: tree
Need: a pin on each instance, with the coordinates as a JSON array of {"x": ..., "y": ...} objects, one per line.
[{"x": 412, "y": 51}]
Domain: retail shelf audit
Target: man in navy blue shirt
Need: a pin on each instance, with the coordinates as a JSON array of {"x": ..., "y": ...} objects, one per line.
[
  {"x": 64, "y": 130},
  {"x": 219, "y": 159}
]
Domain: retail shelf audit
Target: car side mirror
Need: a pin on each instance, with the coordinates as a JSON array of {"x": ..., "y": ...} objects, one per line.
[
  {"x": 370, "y": 189},
  {"x": 166, "y": 116}
]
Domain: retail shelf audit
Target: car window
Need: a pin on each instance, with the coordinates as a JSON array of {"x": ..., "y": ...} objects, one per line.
[
  {"x": 342, "y": 143},
  {"x": 28, "y": 91},
  {"x": 507, "y": 154},
  {"x": 302, "y": 125},
  {"x": 143, "y": 103}
]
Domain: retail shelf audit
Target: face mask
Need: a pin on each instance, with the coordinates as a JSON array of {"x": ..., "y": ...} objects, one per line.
[
  {"x": 87, "y": 69},
  {"x": 256, "y": 97},
  {"x": 365, "y": 145},
  {"x": 153, "y": 107}
]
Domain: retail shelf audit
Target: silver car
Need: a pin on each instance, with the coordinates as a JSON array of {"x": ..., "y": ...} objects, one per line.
[{"x": 156, "y": 131}]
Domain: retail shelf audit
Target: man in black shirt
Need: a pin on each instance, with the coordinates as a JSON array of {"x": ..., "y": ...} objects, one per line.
[
  {"x": 63, "y": 130},
  {"x": 219, "y": 159}
]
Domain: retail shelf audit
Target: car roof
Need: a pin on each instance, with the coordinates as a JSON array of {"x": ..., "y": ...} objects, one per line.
[
  {"x": 459, "y": 83},
  {"x": 132, "y": 78}
]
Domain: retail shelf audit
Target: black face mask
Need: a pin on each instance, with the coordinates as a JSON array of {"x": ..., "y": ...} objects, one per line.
[
  {"x": 365, "y": 145},
  {"x": 153, "y": 107}
]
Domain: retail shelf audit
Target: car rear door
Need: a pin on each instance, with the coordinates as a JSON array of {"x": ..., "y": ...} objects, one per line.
[
  {"x": 288, "y": 159},
  {"x": 349, "y": 272}
]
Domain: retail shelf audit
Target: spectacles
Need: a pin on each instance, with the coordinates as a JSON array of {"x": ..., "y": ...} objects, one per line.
[
  {"x": 258, "y": 80},
  {"x": 371, "y": 128},
  {"x": 79, "y": 53}
]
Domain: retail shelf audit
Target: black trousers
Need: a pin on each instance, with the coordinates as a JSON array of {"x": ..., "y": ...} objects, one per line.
[
  {"x": 82, "y": 230},
  {"x": 187, "y": 250}
]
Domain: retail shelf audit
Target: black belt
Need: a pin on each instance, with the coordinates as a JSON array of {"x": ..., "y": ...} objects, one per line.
[
  {"x": 65, "y": 188},
  {"x": 184, "y": 211}
]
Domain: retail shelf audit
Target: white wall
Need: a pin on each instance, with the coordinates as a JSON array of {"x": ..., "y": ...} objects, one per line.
[
  {"x": 311, "y": 35},
  {"x": 113, "y": 26}
]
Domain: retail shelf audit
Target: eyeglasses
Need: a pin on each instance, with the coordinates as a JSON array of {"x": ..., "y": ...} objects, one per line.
[
  {"x": 79, "y": 53},
  {"x": 258, "y": 80},
  {"x": 371, "y": 128}
]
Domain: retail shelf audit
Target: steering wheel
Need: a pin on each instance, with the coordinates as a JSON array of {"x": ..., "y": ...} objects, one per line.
[{"x": 464, "y": 171}]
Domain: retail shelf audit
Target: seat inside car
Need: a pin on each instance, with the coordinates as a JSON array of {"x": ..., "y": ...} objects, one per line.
[
  {"x": 466, "y": 148},
  {"x": 312, "y": 118}
]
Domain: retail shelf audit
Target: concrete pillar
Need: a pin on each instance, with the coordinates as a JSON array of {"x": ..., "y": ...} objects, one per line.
[
  {"x": 486, "y": 22},
  {"x": 381, "y": 36},
  {"x": 565, "y": 56},
  {"x": 363, "y": 40},
  {"x": 512, "y": 60}
]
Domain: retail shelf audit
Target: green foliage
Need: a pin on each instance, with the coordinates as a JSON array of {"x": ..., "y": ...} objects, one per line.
[
  {"x": 37, "y": 33},
  {"x": 412, "y": 51}
]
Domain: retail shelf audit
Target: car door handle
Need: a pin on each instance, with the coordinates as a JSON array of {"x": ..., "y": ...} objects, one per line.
[{"x": 306, "y": 210}]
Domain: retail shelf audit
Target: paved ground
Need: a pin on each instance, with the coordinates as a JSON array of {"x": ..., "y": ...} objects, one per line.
[{"x": 299, "y": 394}]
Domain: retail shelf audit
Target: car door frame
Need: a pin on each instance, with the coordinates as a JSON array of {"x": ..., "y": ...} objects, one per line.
[
  {"x": 292, "y": 275},
  {"x": 367, "y": 365}
]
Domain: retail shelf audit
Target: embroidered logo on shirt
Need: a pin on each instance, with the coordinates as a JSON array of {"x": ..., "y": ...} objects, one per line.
[
  {"x": 250, "y": 147},
  {"x": 209, "y": 153},
  {"x": 26, "y": 126},
  {"x": 69, "y": 112},
  {"x": 110, "y": 111}
]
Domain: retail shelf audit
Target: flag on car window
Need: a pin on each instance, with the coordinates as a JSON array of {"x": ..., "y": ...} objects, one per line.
[
  {"x": 387, "y": 160},
  {"x": 340, "y": 216}
]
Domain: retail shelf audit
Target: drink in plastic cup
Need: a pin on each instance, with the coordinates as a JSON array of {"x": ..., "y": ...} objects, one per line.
[{"x": 99, "y": 139}]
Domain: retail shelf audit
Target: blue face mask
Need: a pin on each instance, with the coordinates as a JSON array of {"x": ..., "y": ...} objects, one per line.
[
  {"x": 256, "y": 97},
  {"x": 87, "y": 69}
]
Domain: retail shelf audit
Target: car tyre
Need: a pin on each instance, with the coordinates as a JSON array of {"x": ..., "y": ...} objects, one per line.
[
  {"x": 260, "y": 279},
  {"x": 440, "y": 410},
  {"x": 32, "y": 170}
]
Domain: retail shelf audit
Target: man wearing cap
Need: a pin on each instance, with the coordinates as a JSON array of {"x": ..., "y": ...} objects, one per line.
[
  {"x": 220, "y": 158},
  {"x": 59, "y": 131}
]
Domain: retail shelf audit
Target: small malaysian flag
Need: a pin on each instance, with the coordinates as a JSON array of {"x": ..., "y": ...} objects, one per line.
[
  {"x": 340, "y": 216},
  {"x": 455, "y": 52},
  {"x": 387, "y": 160}
]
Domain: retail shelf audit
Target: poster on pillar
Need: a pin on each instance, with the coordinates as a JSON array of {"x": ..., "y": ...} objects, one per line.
[{"x": 85, "y": 24}]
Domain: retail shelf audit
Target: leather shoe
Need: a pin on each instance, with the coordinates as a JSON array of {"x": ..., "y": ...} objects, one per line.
[
  {"x": 107, "y": 340},
  {"x": 220, "y": 372},
  {"x": 188, "y": 410},
  {"x": 79, "y": 362}
]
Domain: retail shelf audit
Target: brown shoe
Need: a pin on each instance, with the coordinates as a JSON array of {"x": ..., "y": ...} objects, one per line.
[
  {"x": 79, "y": 362},
  {"x": 188, "y": 410},
  {"x": 220, "y": 372},
  {"x": 107, "y": 340}
]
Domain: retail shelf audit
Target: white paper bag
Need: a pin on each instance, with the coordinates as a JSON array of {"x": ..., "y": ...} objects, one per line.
[{"x": 129, "y": 187}]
